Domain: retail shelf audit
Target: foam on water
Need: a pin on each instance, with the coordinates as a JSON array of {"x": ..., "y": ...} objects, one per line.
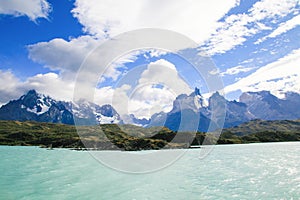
[{"x": 254, "y": 171}]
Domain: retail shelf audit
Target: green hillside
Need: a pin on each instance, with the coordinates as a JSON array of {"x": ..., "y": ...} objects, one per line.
[
  {"x": 262, "y": 131},
  {"x": 131, "y": 138},
  {"x": 105, "y": 137}
]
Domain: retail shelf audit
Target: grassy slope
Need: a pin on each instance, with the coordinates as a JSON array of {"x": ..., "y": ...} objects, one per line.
[
  {"x": 129, "y": 137},
  {"x": 262, "y": 131},
  {"x": 66, "y": 136},
  {"x": 256, "y": 126}
]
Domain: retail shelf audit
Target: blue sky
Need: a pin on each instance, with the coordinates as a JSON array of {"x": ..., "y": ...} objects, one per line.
[{"x": 254, "y": 45}]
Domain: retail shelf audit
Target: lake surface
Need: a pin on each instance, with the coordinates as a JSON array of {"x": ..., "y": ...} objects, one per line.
[{"x": 249, "y": 171}]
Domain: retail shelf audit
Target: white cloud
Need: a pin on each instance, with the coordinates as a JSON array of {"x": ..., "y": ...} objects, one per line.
[
  {"x": 164, "y": 73},
  {"x": 152, "y": 91},
  {"x": 237, "y": 28},
  {"x": 193, "y": 18},
  {"x": 149, "y": 100},
  {"x": 59, "y": 54},
  {"x": 128, "y": 57},
  {"x": 214, "y": 71},
  {"x": 32, "y": 8},
  {"x": 157, "y": 88},
  {"x": 236, "y": 70},
  {"x": 50, "y": 84},
  {"x": 280, "y": 76},
  {"x": 143, "y": 102},
  {"x": 9, "y": 86},
  {"x": 280, "y": 86},
  {"x": 120, "y": 100},
  {"x": 68, "y": 56},
  {"x": 107, "y": 18},
  {"x": 282, "y": 28},
  {"x": 154, "y": 53},
  {"x": 103, "y": 95}
]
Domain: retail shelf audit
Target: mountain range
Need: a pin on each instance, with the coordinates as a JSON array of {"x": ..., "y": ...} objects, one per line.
[
  {"x": 188, "y": 113},
  {"x": 38, "y": 107}
]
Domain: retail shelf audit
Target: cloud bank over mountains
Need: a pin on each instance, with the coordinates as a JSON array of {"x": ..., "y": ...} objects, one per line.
[{"x": 252, "y": 43}]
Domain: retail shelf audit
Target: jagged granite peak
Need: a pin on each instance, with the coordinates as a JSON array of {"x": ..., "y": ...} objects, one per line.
[
  {"x": 158, "y": 119},
  {"x": 216, "y": 97},
  {"x": 235, "y": 112},
  {"x": 30, "y": 99},
  {"x": 196, "y": 92},
  {"x": 188, "y": 114},
  {"x": 35, "y": 102},
  {"x": 106, "y": 114},
  {"x": 86, "y": 112},
  {"x": 194, "y": 101},
  {"x": 252, "y": 105},
  {"x": 262, "y": 96},
  {"x": 107, "y": 110},
  {"x": 264, "y": 105},
  {"x": 38, "y": 107}
]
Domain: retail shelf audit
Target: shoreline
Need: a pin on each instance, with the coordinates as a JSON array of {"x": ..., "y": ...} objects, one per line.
[
  {"x": 115, "y": 150},
  {"x": 112, "y": 137}
]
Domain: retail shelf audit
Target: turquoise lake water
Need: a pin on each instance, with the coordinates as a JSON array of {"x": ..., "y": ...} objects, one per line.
[{"x": 252, "y": 171}]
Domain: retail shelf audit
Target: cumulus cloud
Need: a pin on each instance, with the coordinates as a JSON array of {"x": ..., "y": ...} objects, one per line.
[
  {"x": 106, "y": 19},
  {"x": 236, "y": 28},
  {"x": 9, "y": 86},
  {"x": 68, "y": 56},
  {"x": 158, "y": 86},
  {"x": 49, "y": 84},
  {"x": 280, "y": 76},
  {"x": 193, "y": 18},
  {"x": 164, "y": 73},
  {"x": 151, "y": 91},
  {"x": 62, "y": 55},
  {"x": 31, "y": 8},
  {"x": 148, "y": 100}
]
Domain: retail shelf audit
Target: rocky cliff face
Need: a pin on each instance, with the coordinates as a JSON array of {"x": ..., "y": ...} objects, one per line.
[
  {"x": 252, "y": 105},
  {"x": 264, "y": 105},
  {"x": 236, "y": 112},
  {"x": 38, "y": 107},
  {"x": 188, "y": 113}
]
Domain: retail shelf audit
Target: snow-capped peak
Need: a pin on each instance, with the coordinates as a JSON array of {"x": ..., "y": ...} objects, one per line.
[{"x": 36, "y": 103}]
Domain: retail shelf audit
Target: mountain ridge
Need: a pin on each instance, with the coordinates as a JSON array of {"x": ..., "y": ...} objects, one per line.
[
  {"x": 41, "y": 108},
  {"x": 187, "y": 109}
]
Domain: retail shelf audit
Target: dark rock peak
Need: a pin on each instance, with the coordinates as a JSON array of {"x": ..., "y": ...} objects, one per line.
[
  {"x": 106, "y": 107},
  {"x": 30, "y": 99},
  {"x": 292, "y": 96},
  {"x": 217, "y": 95},
  {"x": 31, "y": 93},
  {"x": 182, "y": 96},
  {"x": 196, "y": 92},
  {"x": 246, "y": 96},
  {"x": 107, "y": 110}
]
